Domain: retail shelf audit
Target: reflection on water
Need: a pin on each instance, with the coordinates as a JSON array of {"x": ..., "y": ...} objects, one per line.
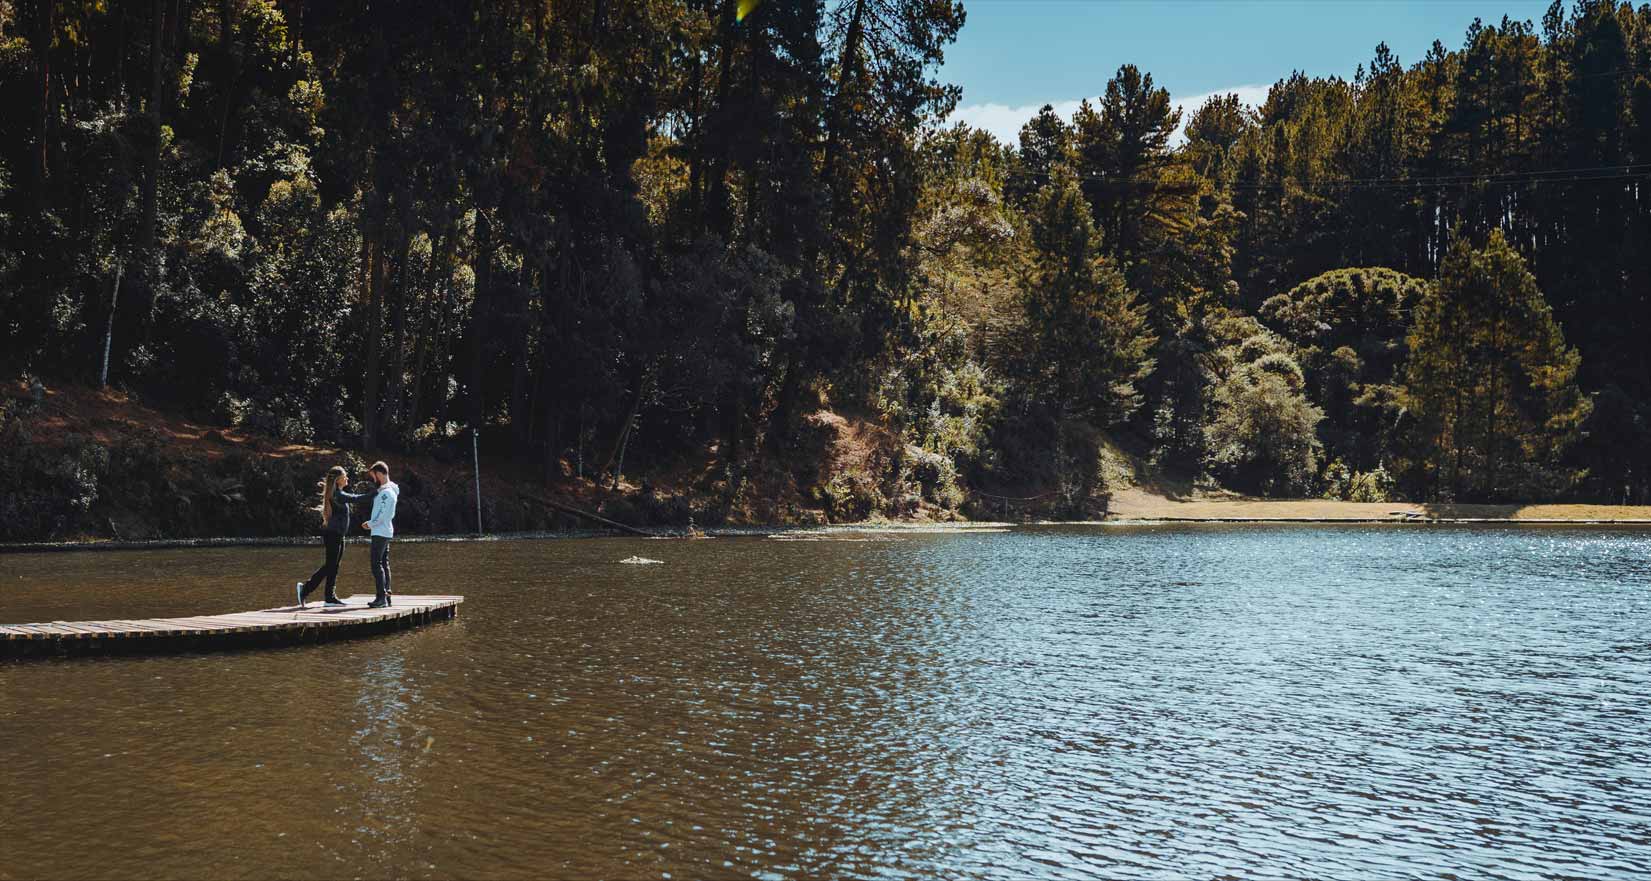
[
  {"x": 1089, "y": 703},
  {"x": 382, "y": 743}
]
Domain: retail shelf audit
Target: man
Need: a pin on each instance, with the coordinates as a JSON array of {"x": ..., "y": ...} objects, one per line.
[{"x": 383, "y": 528}]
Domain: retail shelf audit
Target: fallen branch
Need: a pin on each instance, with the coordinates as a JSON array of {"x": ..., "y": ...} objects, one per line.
[{"x": 587, "y": 515}]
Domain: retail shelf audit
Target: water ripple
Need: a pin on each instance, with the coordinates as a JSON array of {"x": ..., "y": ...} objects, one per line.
[{"x": 1143, "y": 702}]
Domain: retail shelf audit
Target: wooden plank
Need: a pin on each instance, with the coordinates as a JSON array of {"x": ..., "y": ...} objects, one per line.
[
  {"x": 202, "y": 625},
  {"x": 76, "y": 629},
  {"x": 198, "y": 623},
  {"x": 113, "y": 628},
  {"x": 104, "y": 629},
  {"x": 18, "y": 631},
  {"x": 55, "y": 630},
  {"x": 141, "y": 627},
  {"x": 40, "y": 630},
  {"x": 248, "y": 621}
]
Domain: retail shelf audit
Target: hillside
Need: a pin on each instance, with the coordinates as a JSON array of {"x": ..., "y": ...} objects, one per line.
[
  {"x": 95, "y": 465},
  {"x": 84, "y": 464}
]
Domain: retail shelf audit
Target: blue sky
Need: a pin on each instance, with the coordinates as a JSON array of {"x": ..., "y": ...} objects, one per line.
[{"x": 1013, "y": 56}]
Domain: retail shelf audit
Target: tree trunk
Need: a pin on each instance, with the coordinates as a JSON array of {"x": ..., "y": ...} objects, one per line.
[
  {"x": 232, "y": 72},
  {"x": 294, "y": 14},
  {"x": 478, "y": 319},
  {"x": 147, "y": 254},
  {"x": 152, "y": 157},
  {"x": 393, "y": 424},
  {"x": 441, "y": 258},
  {"x": 375, "y": 329},
  {"x": 715, "y": 204},
  {"x": 625, "y": 427},
  {"x": 109, "y": 329},
  {"x": 551, "y": 400},
  {"x": 696, "y": 134},
  {"x": 1492, "y": 441},
  {"x": 552, "y": 412},
  {"x": 850, "y": 65},
  {"x": 785, "y": 407},
  {"x": 753, "y": 77},
  {"x": 442, "y": 410},
  {"x": 45, "y": 29},
  {"x": 734, "y": 428},
  {"x": 180, "y": 29},
  {"x": 521, "y": 379}
]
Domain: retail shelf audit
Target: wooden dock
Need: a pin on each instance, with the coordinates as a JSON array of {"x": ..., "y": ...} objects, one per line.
[{"x": 268, "y": 627}]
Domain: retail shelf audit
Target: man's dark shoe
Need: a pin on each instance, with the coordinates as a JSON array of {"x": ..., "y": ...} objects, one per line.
[{"x": 378, "y": 604}]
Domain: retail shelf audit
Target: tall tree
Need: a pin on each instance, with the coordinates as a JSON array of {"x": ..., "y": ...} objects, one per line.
[
  {"x": 1088, "y": 342},
  {"x": 1491, "y": 380},
  {"x": 1123, "y": 150}
]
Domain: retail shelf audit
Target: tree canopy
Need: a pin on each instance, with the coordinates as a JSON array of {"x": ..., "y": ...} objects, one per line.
[{"x": 676, "y": 227}]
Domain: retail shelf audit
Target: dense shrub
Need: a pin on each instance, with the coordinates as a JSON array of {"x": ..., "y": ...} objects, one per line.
[
  {"x": 1263, "y": 438},
  {"x": 1343, "y": 484},
  {"x": 851, "y": 496},
  {"x": 1372, "y": 486},
  {"x": 934, "y": 475}
]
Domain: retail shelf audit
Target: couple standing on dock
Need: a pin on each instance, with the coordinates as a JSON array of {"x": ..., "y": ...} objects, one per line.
[{"x": 335, "y": 525}]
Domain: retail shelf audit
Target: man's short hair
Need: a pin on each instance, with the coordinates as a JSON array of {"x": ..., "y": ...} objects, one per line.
[{"x": 381, "y": 468}]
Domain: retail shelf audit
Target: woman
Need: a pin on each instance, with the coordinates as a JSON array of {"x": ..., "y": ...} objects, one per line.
[{"x": 335, "y": 522}]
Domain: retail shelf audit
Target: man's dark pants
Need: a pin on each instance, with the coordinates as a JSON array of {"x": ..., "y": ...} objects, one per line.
[{"x": 381, "y": 567}]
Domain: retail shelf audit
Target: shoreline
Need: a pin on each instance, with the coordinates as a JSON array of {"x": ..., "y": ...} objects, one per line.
[
  {"x": 1139, "y": 504},
  {"x": 298, "y": 541},
  {"x": 871, "y": 527}
]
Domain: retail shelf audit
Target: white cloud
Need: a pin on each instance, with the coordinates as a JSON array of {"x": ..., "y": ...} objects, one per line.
[
  {"x": 1251, "y": 95},
  {"x": 1004, "y": 121}
]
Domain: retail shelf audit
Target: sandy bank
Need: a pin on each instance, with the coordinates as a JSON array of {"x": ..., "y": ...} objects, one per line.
[{"x": 1138, "y": 504}]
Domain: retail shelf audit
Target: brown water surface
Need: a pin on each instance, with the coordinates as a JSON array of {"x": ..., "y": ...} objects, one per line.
[{"x": 1322, "y": 702}]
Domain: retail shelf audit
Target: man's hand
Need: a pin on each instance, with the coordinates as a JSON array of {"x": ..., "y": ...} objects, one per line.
[{"x": 367, "y": 526}]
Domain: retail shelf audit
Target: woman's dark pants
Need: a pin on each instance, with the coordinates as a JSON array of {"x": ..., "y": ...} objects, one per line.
[{"x": 329, "y": 569}]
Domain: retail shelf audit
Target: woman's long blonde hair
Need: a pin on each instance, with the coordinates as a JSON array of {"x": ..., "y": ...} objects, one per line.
[{"x": 328, "y": 484}]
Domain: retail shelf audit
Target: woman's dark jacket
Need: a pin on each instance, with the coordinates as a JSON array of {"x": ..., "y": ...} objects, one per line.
[{"x": 339, "y": 522}]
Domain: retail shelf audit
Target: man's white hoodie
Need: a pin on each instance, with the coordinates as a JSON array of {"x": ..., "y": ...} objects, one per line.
[{"x": 382, "y": 523}]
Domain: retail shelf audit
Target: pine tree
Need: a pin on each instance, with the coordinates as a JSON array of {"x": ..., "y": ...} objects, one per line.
[
  {"x": 1089, "y": 344},
  {"x": 1491, "y": 381}
]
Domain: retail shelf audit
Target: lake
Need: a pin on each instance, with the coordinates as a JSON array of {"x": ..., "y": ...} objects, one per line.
[{"x": 1074, "y": 702}]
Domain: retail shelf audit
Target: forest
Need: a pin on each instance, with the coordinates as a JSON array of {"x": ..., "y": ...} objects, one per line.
[{"x": 610, "y": 232}]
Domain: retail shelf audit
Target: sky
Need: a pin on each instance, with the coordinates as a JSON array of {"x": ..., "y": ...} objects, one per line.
[{"x": 1014, "y": 56}]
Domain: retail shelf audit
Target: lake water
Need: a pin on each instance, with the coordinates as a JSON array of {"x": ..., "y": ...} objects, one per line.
[{"x": 1101, "y": 702}]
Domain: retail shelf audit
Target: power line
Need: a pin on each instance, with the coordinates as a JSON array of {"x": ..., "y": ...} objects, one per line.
[{"x": 1597, "y": 173}]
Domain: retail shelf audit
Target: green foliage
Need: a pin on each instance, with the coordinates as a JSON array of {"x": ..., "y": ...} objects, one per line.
[
  {"x": 1371, "y": 486},
  {"x": 957, "y": 421},
  {"x": 654, "y": 226},
  {"x": 1263, "y": 438},
  {"x": 851, "y": 496},
  {"x": 1086, "y": 341},
  {"x": 1347, "y": 329},
  {"x": 935, "y": 476},
  {"x": 1338, "y": 481},
  {"x": 1491, "y": 380},
  {"x": 1343, "y": 484}
]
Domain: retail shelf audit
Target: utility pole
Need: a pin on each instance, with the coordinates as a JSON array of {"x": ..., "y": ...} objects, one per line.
[{"x": 476, "y": 458}]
